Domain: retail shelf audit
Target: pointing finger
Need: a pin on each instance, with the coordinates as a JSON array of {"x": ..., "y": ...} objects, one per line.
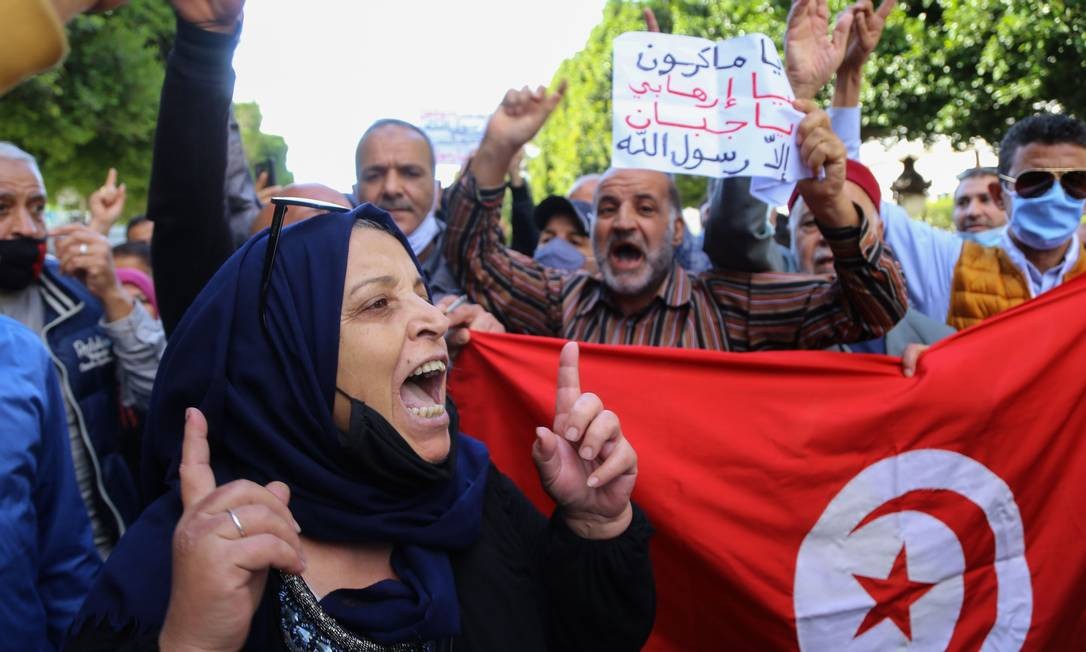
[
  {"x": 569, "y": 384},
  {"x": 111, "y": 177},
  {"x": 197, "y": 479},
  {"x": 650, "y": 20}
]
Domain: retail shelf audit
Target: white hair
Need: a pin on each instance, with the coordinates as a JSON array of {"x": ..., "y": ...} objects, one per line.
[{"x": 11, "y": 152}]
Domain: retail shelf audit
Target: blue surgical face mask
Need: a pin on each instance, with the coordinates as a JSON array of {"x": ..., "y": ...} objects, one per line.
[
  {"x": 988, "y": 238},
  {"x": 1045, "y": 222},
  {"x": 559, "y": 254}
]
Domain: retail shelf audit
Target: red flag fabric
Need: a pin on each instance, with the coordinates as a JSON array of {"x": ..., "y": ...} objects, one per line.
[{"x": 823, "y": 501}]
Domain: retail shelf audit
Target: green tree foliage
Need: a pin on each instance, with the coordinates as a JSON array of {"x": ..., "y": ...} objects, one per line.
[
  {"x": 98, "y": 110},
  {"x": 939, "y": 212},
  {"x": 260, "y": 146},
  {"x": 960, "y": 68},
  {"x": 969, "y": 68}
]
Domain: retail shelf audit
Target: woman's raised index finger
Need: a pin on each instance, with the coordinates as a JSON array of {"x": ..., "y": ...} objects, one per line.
[
  {"x": 569, "y": 383},
  {"x": 197, "y": 478}
]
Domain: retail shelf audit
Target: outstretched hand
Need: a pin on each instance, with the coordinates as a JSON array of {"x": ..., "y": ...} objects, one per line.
[
  {"x": 811, "y": 54},
  {"x": 867, "y": 27},
  {"x": 516, "y": 121},
  {"x": 219, "y": 566},
  {"x": 585, "y": 463}
]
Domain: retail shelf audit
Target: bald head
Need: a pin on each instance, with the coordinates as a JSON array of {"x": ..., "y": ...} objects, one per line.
[
  {"x": 298, "y": 213},
  {"x": 584, "y": 188}
]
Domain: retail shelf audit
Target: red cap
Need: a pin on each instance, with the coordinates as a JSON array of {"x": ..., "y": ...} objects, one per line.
[{"x": 857, "y": 173}]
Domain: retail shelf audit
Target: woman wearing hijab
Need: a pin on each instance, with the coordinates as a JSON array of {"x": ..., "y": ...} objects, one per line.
[{"x": 321, "y": 497}]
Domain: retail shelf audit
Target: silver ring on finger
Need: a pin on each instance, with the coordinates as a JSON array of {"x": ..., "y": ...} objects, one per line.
[
  {"x": 83, "y": 249},
  {"x": 237, "y": 522}
]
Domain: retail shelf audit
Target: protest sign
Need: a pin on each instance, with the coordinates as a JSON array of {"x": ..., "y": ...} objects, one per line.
[
  {"x": 687, "y": 105},
  {"x": 454, "y": 136}
]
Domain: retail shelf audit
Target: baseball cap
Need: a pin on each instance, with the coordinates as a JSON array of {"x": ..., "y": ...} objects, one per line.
[{"x": 581, "y": 211}]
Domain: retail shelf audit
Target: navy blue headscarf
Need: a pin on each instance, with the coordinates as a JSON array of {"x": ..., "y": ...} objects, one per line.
[{"x": 268, "y": 402}]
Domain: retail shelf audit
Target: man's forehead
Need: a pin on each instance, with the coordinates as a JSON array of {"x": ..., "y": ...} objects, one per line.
[
  {"x": 977, "y": 185},
  {"x": 1048, "y": 155},
  {"x": 394, "y": 139},
  {"x": 624, "y": 182},
  {"x": 20, "y": 175}
]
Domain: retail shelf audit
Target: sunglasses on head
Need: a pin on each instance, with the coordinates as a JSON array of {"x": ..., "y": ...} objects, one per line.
[
  {"x": 274, "y": 231},
  {"x": 1034, "y": 183}
]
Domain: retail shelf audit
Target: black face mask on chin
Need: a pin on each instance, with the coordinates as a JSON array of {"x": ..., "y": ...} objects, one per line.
[
  {"x": 383, "y": 457},
  {"x": 21, "y": 261}
]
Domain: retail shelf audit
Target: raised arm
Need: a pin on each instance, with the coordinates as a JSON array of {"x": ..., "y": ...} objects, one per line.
[
  {"x": 186, "y": 199},
  {"x": 522, "y": 294},
  {"x": 867, "y": 27}
]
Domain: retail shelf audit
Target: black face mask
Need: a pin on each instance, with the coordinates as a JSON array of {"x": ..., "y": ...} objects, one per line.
[
  {"x": 21, "y": 260},
  {"x": 380, "y": 454}
]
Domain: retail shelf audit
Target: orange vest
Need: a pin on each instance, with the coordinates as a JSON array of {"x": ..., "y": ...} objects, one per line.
[{"x": 986, "y": 282}]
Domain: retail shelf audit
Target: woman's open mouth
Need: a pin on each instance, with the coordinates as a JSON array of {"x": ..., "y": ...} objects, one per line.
[
  {"x": 423, "y": 391},
  {"x": 625, "y": 257}
]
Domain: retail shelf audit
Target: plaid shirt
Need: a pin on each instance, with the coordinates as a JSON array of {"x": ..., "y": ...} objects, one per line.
[{"x": 727, "y": 311}]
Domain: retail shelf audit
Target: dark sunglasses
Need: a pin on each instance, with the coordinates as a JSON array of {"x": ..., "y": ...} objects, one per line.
[
  {"x": 1034, "y": 183},
  {"x": 281, "y": 205}
]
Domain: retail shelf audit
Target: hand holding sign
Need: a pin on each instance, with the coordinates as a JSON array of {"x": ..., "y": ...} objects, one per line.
[
  {"x": 225, "y": 542},
  {"x": 585, "y": 463},
  {"x": 821, "y": 150}
]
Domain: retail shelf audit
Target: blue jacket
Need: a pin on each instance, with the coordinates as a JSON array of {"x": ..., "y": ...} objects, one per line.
[
  {"x": 83, "y": 355},
  {"x": 47, "y": 560}
]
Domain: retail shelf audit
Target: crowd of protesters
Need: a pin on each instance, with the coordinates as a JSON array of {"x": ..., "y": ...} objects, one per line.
[{"x": 317, "y": 355}]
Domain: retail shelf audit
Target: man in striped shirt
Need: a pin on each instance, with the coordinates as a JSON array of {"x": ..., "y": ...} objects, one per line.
[{"x": 641, "y": 296}]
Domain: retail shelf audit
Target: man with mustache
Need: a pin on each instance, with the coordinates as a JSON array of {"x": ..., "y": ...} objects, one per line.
[
  {"x": 641, "y": 296},
  {"x": 395, "y": 166}
]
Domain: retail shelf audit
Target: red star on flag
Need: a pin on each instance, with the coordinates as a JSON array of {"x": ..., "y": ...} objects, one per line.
[{"x": 893, "y": 596}]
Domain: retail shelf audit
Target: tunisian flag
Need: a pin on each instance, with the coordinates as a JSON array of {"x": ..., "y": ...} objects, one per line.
[{"x": 823, "y": 501}]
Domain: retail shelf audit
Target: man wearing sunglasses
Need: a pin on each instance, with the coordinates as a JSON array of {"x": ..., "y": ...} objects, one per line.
[{"x": 1041, "y": 185}]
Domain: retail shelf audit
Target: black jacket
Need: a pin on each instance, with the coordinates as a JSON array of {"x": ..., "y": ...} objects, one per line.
[{"x": 527, "y": 584}]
